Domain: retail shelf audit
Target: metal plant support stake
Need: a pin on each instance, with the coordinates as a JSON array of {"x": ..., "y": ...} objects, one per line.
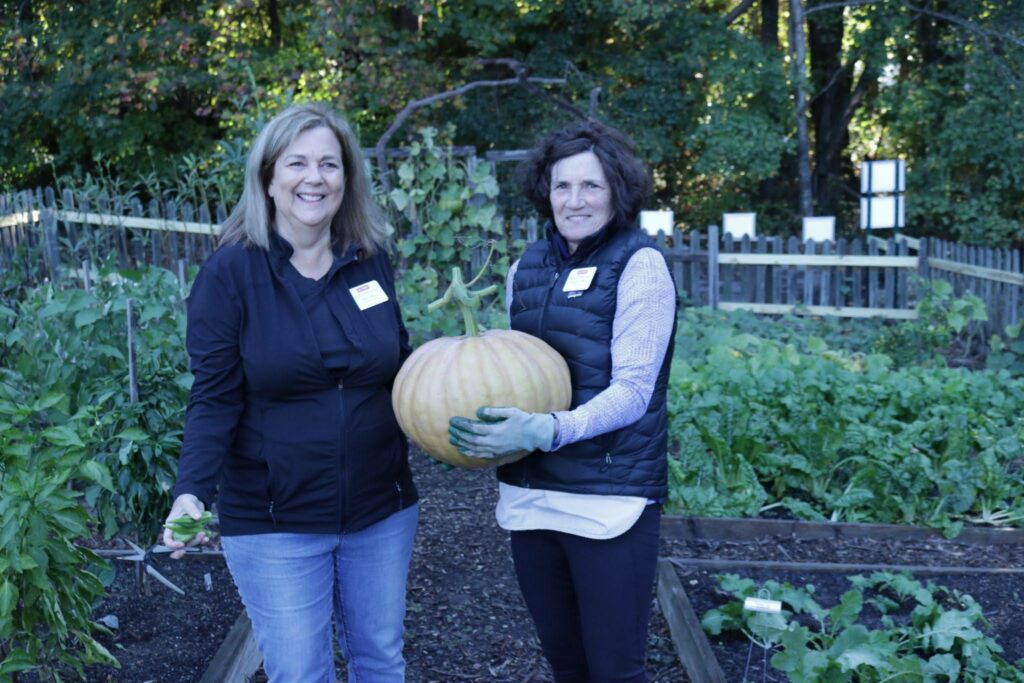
[
  {"x": 762, "y": 604},
  {"x": 133, "y": 397}
]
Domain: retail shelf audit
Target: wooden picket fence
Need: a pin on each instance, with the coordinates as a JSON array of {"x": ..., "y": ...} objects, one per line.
[{"x": 862, "y": 277}]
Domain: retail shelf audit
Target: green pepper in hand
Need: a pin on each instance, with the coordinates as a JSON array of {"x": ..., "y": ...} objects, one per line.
[{"x": 185, "y": 528}]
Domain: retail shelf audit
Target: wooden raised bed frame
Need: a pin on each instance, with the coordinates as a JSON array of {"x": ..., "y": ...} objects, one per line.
[
  {"x": 692, "y": 645},
  {"x": 743, "y": 529}
]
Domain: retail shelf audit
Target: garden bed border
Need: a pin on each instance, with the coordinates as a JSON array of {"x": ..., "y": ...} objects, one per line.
[
  {"x": 692, "y": 645},
  {"x": 238, "y": 656},
  {"x": 679, "y": 528}
]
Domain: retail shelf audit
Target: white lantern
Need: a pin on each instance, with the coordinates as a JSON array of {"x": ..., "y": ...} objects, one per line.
[
  {"x": 882, "y": 184},
  {"x": 883, "y": 177},
  {"x": 882, "y": 212}
]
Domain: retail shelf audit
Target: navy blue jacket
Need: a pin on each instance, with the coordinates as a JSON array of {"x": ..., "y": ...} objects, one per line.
[
  {"x": 282, "y": 443},
  {"x": 631, "y": 461}
]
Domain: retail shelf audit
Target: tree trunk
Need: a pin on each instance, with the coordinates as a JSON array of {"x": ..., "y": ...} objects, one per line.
[
  {"x": 798, "y": 49},
  {"x": 832, "y": 83},
  {"x": 405, "y": 19},
  {"x": 770, "y": 23},
  {"x": 276, "y": 39}
]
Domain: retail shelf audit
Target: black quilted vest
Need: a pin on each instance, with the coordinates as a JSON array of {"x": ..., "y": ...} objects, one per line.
[{"x": 630, "y": 461}]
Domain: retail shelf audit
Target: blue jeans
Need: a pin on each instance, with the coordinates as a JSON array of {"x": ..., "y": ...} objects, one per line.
[{"x": 292, "y": 585}]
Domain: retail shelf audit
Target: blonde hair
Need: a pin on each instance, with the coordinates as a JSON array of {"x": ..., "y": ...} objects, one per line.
[{"x": 358, "y": 221}]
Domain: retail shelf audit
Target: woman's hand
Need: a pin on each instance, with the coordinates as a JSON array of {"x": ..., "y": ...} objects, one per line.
[
  {"x": 501, "y": 431},
  {"x": 185, "y": 504}
]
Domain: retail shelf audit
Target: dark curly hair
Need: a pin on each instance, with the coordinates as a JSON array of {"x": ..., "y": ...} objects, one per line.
[{"x": 627, "y": 177}]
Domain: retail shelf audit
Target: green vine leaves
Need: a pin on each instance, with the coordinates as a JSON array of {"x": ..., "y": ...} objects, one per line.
[{"x": 447, "y": 218}]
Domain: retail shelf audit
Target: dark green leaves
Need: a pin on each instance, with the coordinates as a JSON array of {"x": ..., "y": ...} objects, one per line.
[{"x": 941, "y": 637}]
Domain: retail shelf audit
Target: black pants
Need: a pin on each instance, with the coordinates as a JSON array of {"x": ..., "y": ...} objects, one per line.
[{"x": 591, "y": 600}]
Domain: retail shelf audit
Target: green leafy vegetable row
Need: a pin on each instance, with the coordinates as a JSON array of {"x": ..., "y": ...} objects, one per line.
[
  {"x": 764, "y": 427},
  {"x": 922, "y": 632}
]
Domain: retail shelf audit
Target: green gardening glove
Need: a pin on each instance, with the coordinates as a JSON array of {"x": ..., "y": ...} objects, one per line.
[{"x": 501, "y": 431}]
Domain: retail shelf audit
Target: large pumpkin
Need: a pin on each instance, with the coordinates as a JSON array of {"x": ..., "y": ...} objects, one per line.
[{"x": 453, "y": 376}]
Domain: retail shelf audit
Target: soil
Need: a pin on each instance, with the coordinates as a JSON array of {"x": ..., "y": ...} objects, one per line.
[
  {"x": 466, "y": 619},
  {"x": 1000, "y": 596},
  {"x": 162, "y": 636}
]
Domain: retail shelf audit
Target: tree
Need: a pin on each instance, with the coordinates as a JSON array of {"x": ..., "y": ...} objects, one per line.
[{"x": 705, "y": 88}]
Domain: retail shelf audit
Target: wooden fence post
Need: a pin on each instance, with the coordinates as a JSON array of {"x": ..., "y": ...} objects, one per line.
[
  {"x": 133, "y": 379},
  {"x": 810, "y": 247},
  {"x": 48, "y": 218},
  {"x": 1015, "y": 295},
  {"x": 713, "y": 267},
  {"x": 696, "y": 289}
]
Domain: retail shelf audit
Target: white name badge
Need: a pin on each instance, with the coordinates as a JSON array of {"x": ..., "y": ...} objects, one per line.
[
  {"x": 579, "y": 279},
  {"x": 368, "y": 294}
]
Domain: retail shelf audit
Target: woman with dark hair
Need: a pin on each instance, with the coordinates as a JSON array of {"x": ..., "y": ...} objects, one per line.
[
  {"x": 294, "y": 338},
  {"x": 584, "y": 508}
]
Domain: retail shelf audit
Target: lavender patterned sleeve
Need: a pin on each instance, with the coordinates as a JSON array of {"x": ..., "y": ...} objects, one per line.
[{"x": 646, "y": 308}]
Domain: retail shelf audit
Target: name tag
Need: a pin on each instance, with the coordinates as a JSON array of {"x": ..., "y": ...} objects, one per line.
[
  {"x": 368, "y": 294},
  {"x": 579, "y": 279}
]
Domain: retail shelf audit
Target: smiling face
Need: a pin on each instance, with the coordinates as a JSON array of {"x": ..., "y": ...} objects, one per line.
[
  {"x": 581, "y": 200},
  {"x": 308, "y": 183}
]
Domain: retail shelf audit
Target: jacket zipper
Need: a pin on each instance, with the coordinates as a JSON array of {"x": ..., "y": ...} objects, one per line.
[
  {"x": 543, "y": 325},
  {"x": 547, "y": 303},
  {"x": 398, "y": 487},
  {"x": 270, "y": 494},
  {"x": 341, "y": 442}
]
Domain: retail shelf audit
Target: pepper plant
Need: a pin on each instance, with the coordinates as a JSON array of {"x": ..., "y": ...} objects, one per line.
[
  {"x": 48, "y": 584},
  {"x": 73, "y": 344}
]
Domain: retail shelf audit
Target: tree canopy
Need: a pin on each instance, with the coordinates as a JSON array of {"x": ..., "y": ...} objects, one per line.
[{"x": 707, "y": 88}]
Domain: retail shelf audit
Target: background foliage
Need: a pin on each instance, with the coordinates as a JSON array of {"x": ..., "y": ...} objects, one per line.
[{"x": 161, "y": 90}]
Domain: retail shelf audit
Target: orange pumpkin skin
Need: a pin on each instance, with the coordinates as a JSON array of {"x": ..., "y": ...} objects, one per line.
[{"x": 453, "y": 376}]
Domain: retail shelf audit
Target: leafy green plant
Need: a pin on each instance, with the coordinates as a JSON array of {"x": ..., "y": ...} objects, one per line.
[
  {"x": 447, "y": 218},
  {"x": 73, "y": 344},
  {"x": 48, "y": 584},
  {"x": 1006, "y": 351},
  {"x": 942, "y": 320},
  {"x": 926, "y": 632},
  {"x": 758, "y": 426}
]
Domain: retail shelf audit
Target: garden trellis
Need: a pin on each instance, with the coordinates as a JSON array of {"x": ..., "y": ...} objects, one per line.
[{"x": 861, "y": 277}]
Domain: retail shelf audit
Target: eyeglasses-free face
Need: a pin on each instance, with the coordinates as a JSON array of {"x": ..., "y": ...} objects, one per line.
[
  {"x": 581, "y": 199},
  {"x": 308, "y": 183}
]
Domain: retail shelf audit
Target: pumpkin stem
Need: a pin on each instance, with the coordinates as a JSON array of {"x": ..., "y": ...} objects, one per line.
[{"x": 468, "y": 300}]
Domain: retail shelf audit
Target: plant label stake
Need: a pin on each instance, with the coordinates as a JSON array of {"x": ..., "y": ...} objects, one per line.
[{"x": 762, "y": 604}]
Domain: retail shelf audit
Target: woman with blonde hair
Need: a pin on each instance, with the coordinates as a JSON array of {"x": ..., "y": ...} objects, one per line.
[{"x": 294, "y": 338}]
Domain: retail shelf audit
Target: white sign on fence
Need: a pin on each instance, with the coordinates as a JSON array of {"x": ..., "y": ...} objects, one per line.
[
  {"x": 654, "y": 221},
  {"x": 819, "y": 228},
  {"x": 739, "y": 224}
]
